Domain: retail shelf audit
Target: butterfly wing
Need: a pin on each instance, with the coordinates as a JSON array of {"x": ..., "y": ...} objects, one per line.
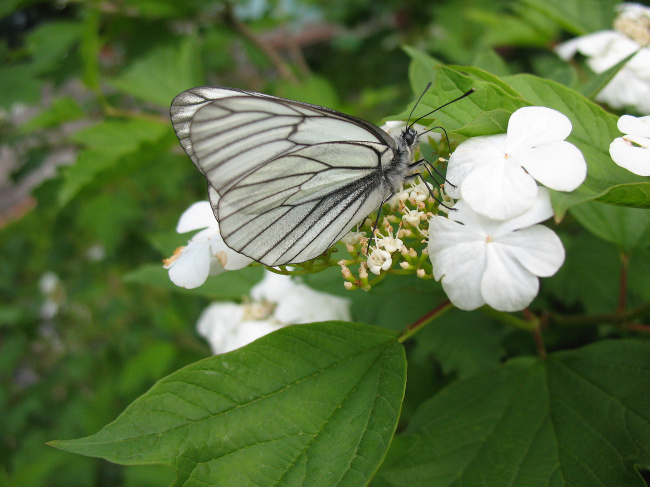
[{"x": 287, "y": 179}]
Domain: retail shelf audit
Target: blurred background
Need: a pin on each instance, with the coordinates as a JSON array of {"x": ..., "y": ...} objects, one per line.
[{"x": 93, "y": 180}]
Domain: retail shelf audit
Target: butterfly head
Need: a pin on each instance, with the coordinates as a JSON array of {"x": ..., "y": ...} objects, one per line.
[{"x": 409, "y": 136}]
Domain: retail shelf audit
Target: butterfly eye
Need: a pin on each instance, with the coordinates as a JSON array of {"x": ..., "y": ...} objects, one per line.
[{"x": 409, "y": 136}]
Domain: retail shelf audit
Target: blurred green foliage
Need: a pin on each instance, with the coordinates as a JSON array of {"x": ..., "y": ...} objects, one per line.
[{"x": 95, "y": 79}]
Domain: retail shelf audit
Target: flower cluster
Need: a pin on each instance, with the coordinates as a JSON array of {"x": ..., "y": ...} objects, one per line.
[
  {"x": 604, "y": 49},
  {"x": 274, "y": 302},
  {"x": 490, "y": 249}
]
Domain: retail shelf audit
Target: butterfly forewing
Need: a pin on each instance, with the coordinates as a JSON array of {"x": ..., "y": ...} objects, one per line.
[{"x": 287, "y": 179}]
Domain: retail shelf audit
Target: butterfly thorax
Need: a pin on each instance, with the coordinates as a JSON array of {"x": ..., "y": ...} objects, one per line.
[{"x": 401, "y": 166}]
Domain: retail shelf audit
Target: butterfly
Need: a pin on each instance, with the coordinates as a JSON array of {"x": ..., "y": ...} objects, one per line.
[{"x": 286, "y": 179}]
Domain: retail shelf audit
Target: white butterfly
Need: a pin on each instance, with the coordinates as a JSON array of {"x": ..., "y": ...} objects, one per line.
[{"x": 286, "y": 179}]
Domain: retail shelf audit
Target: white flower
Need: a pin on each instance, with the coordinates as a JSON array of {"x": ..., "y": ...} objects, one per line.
[
  {"x": 353, "y": 238},
  {"x": 495, "y": 174},
  {"x": 484, "y": 261},
  {"x": 396, "y": 127},
  {"x": 604, "y": 49},
  {"x": 52, "y": 290},
  {"x": 633, "y": 150},
  {"x": 379, "y": 260},
  {"x": 412, "y": 217},
  {"x": 389, "y": 242},
  {"x": 224, "y": 327},
  {"x": 277, "y": 301},
  {"x": 205, "y": 253}
]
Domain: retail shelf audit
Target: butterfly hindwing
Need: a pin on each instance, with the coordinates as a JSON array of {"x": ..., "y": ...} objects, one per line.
[{"x": 278, "y": 217}]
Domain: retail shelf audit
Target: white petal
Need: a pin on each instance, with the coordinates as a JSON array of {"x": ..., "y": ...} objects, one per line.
[
  {"x": 457, "y": 253},
  {"x": 251, "y": 330},
  {"x": 273, "y": 287},
  {"x": 615, "y": 47},
  {"x": 640, "y": 64},
  {"x": 539, "y": 211},
  {"x": 558, "y": 165},
  {"x": 507, "y": 285},
  {"x": 568, "y": 49},
  {"x": 499, "y": 191},
  {"x": 626, "y": 89},
  {"x": 532, "y": 126},
  {"x": 538, "y": 249},
  {"x": 192, "y": 267},
  {"x": 197, "y": 216},
  {"x": 634, "y": 125},
  {"x": 469, "y": 155},
  {"x": 464, "y": 266},
  {"x": 228, "y": 258},
  {"x": 224, "y": 327},
  {"x": 218, "y": 323},
  {"x": 603, "y": 45},
  {"x": 634, "y": 159},
  {"x": 445, "y": 233},
  {"x": 305, "y": 305}
]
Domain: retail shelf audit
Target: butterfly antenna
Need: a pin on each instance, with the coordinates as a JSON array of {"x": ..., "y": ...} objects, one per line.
[
  {"x": 441, "y": 106},
  {"x": 418, "y": 102}
]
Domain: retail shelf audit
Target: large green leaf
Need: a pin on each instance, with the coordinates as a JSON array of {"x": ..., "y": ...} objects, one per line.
[
  {"x": 106, "y": 143},
  {"x": 577, "y": 16},
  {"x": 593, "y": 131},
  {"x": 309, "y": 405},
  {"x": 51, "y": 42},
  {"x": 463, "y": 343},
  {"x": 627, "y": 228},
  {"x": 579, "y": 418},
  {"x": 163, "y": 74},
  {"x": 484, "y": 112}
]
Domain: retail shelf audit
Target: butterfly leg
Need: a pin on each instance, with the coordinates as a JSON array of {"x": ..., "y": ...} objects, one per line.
[{"x": 416, "y": 174}]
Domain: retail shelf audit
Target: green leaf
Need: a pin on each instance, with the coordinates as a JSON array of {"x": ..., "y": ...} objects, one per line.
[
  {"x": 51, "y": 42},
  {"x": 596, "y": 84},
  {"x": 523, "y": 28},
  {"x": 593, "y": 131},
  {"x": 421, "y": 69},
  {"x": 63, "y": 109},
  {"x": 487, "y": 60},
  {"x": 579, "y": 418},
  {"x": 163, "y": 73},
  {"x": 463, "y": 343},
  {"x": 627, "y": 228},
  {"x": 577, "y": 16},
  {"x": 484, "y": 112},
  {"x": 8, "y": 6},
  {"x": 313, "y": 89},
  {"x": 309, "y": 405},
  {"x": 106, "y": 143},
  {"x": 227, "y": 285},
  {"x": 18, "y": 84},
  {"x": 579, "y": 284}
]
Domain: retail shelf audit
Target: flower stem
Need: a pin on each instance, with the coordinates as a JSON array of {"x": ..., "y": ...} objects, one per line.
[
  {"x": 508, "y": 318},
  {"x": 416, "y": 326},
  {"x": 594, "y": 320},
  {"x": 622, "y": 288}
]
